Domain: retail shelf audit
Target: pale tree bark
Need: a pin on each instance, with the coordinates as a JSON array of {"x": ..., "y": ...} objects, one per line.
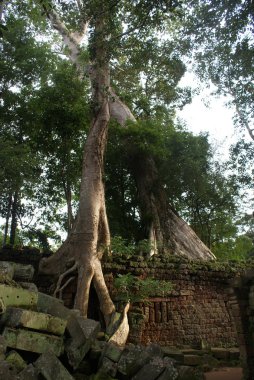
[
  {"x": 90, "y": 232},
  {"x": 166, "y": 230}
]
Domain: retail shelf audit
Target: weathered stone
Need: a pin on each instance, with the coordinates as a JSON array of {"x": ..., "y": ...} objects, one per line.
[
  {"x": 149, "y": 372},
  {"x": 23, "y": 272},
  {"x": 29, "y": 373},
  {"x": 18, "y": 297},
  {"x": 51, "y": 368},
  {"x": 29, "y": 286},
  {"x": 53, "y": 306},
  {"x": 131, "y": 361},
  {"x": 169, "y": 373},
  {"x": 16, "y": 360},
  {"x": 82, "y": 332},
  {"x": 112, "y": 352},
  {"x": 192, "y": 360},
  {"x": 2, "y": 347},
  {"x": 220, "y": 353},
  {"x": 234, "y": 354},
  {"x": 7, "y": 371},
  {"x": 187, "y": 373},
  {"x": 7, "y": 269},
  {"x": 172, "y": 353},
  {"x": 15, "y": 317},
  {"x": 33, "y": 341},
  {"x": 108, "y": 367}
]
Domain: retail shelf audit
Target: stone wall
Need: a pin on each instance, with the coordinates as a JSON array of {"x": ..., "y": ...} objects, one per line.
[{"x": 196, "y": 313}]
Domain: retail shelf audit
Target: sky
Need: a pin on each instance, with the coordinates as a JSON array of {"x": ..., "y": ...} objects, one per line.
[{"x": 207, "y": 113}]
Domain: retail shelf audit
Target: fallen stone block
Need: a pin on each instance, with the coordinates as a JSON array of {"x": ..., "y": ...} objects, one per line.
[
  {"x": 2, "y": 347},
  {"x": 16, "y": 360},
  {"x": 82, "y": 334},
  {"x": 29, "y": 373},
  {"x": 51, "y": 368},
  {"x": 23, "y": 272},
  {"x": 169, "y": 373},
  {"x": 220, "y": 353},
  {"x": 174, "y": 354},
  {"x": 149, "y": 372},
  {"x": 131, "y": 361},
  {"x": 234, "y": 354},
  {"x": 108, "y": 367},
  {"x": 7, "y": 371},
  {"x": 16, "y": 317},
  {"x": 18, "y": 297},
  {"x": 33, "y": 341},
  {"x": 28, "y": 286},
  {"x": 7, "y": 269},
  {"x": 53, "y": 306},
  {"x": 112, "y": 352},
  {"x": 192, "y": 360}
]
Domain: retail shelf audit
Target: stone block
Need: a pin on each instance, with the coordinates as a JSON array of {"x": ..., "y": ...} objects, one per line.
[
  {"x": 192, "y": 360},
  {"x": 174, "y": 354},
  {"x": 51, "y": 368},
  {"x": 29, "y": 373},
  {"x": 149, "y": 372},
  {"x": 7, "y": 269},
  {"x": 112, "y": 352},
  {"x": 18, "y": 297},
  {"x": 15, "y": 317},
  {"x": 169, "y": 373},
  {"x": 16, "y": 360},
  {"x": 53, "y": 306},
  {"x": 2, "y": 347},
  {"x": 33, "y": 341},
  {"x": 131, "y": 361},
  {"x": 220, "y": 353},
  {"x": 234, "y": 354},
  {"x": 82, "y": 334},
  {"x": 108, "y": 367},
  {"x": 29, "y": 286},
  {"x": 23, "y": 272},
  {"x": 7, "y": 371}
]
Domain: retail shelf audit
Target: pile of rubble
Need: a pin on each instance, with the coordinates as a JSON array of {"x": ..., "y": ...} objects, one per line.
[{"x": 42, "y": 339}]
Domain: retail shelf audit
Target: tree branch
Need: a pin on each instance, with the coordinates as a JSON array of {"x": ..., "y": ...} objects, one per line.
[{"x": 72, "y": 40}]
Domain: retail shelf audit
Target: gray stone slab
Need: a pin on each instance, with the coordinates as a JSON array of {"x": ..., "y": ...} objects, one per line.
[
  {"x": 131, "y": 361},
  {"x": 148, "y": 372},
  {"x": 51, "y": 368},
  {"x": 7, "y": 268},
  {"x": 82, "y": 334},
  {"x": 32, "y": 341},
  {"x": 29, "y": 373},
  {"x": 7, "y": 371},
  {"x": 16, "y": 317},
  {"x": 15, "y": 359},
  {"x": 18, "y": 297},
  {"x": 53, "y": 306}
]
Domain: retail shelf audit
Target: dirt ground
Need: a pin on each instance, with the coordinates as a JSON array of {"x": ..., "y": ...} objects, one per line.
[{"x": 225, "y": 374}]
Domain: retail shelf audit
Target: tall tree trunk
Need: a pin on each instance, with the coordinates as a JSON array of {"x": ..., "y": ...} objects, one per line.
[
  {"x": 7, "y": 218},
  {"x": 90, "y": 232},
  {"x": 14, "y": 216},
  {"x": 68, "y": 198},
  {"x": 166, "y": 230}
]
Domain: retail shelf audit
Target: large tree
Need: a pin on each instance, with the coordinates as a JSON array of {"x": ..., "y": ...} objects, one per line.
[{"x": 108, "y": 26}]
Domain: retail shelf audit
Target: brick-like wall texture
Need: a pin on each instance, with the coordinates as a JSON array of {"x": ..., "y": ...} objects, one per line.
[{"x": 196, "y": 313}]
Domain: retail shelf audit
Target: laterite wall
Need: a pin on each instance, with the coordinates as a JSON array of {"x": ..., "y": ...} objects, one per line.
[{"x": 196, "y": 313}]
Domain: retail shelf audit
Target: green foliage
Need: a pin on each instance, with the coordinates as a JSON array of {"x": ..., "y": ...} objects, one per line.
[
  {"x": 135, "y": 289},
  {"x": 238, "y": 249},
  {"x": 122, "y": 247}
]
